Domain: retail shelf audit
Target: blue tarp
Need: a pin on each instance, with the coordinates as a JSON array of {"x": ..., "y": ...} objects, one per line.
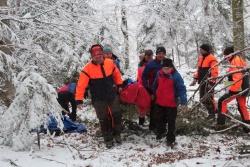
[{"x": 69, "y": 125}]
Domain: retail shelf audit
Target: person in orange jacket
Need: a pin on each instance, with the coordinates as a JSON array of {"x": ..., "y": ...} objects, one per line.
[
  {"x": 239, "y": 82},
  {"x": 207, "y": 68},
  {"x": 101, "y": 75}
]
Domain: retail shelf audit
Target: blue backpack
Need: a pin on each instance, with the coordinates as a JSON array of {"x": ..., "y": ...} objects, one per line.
[{"x": 72, "y": 87}]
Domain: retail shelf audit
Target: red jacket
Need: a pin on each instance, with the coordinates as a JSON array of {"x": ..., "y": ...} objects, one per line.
[
  {"x": 139, "y": 74},
  {"x": 136, "y": 94}
]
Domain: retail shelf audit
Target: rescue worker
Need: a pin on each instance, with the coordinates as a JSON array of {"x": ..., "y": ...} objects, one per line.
[
  {"x": 66, "y": 95},
  {"x": 107, "y": 51},
  {"x": 101, "y": 75},
  {"x": 207, "y": 68},
  {"x": 169, "y": 91},
  {"x": 240, "y": 82},
  {"x": 148, "y": 56},
  {"x": 148, "y": 77}
]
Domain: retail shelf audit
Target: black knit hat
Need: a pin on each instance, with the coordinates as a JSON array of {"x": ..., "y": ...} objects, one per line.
[
  {"x": 160, "y": 49},
  {"x": 228, "y": 50},
  {"x": 167, "y": 63},
  {"x": 206, "y": 47}
]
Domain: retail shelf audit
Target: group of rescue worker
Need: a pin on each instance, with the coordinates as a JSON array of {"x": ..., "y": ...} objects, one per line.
[
  {"x": 207, "y": 76},
  {"x": 163, "y": 84}
]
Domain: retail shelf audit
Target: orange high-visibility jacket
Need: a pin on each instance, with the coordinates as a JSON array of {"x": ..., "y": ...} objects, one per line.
[
  {"x": 204, "y": 65},
  {"x": 236, "y": 63},
  {"x": 101, "y": 79}
]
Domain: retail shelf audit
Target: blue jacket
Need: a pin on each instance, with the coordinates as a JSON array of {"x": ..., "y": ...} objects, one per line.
[
  {"x": 179, "y": 87},
  {"x": 149, "y": 74}
]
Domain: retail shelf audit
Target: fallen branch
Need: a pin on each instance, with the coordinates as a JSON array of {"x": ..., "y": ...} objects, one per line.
[
  {"x": 12, "y": 163},
  {"x": 49, "y": 159},
  {"x": 224, "y": 130},
  {"x": 236, "y": 120}
]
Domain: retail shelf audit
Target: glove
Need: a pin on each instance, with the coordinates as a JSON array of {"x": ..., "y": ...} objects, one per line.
[{"x": 193, "y": 82}]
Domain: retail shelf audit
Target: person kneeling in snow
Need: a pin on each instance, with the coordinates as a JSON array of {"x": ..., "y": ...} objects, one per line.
[
  {"x": 66, "y": 95},
  {"x": 169, "y": 90},
  {"x": 101, "y": 75}
]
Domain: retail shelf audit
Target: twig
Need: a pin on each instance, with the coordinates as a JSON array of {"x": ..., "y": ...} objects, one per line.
[
  {"x": 49, "y": 159},
  {"x": 236, "y": 120},
  {"x": 227, "y": 163},
  {"x": 203, "y": 81},
  {"x": 223, "y": 130},
  {"x": 243, "y": 69},
  {"x": 207, "y": 95},
  {"x": 231, "y": 83},
  {"x": 12, "y": 163},
  {"x": 68, "y": 146}
]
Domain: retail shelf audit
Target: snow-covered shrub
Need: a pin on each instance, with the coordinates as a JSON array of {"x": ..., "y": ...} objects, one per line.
[{"x": 34, "y": 100}]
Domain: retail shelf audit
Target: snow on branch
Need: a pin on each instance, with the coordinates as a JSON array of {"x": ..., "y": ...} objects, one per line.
[{"x": 34, "y": 100}]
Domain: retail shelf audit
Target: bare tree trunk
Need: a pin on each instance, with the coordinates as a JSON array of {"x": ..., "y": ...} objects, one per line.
[
  {"x": 186, "y": 55},
  {"x": 173, "y": 54},
  {"x": 207, "y": 12},
  {"x": 124, "y": 28},
  {"x": 178, "y": 51},
  {"x": 7, "y": 89},
  {"x": 238, "y": 24}
]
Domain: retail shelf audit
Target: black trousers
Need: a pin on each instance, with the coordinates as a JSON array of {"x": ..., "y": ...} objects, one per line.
[
  {"x": 166, "y": 115},
  {"x": 64, "y": 99},
  {"x": 152, "y": 116},
  {"x": 110, "y": 117}
]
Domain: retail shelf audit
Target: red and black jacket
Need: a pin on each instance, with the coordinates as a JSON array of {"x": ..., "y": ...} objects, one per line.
[{"x": 100, "y": 78}]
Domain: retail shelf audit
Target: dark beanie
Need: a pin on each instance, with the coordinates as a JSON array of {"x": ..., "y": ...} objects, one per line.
[
  {"x": 167, "y": 63},
  {"x": 160, "y": 49},
  {"x": 228, "y": 50},
  {"x": 206, "y": 47},
  {"x": 148, "y": 52}
]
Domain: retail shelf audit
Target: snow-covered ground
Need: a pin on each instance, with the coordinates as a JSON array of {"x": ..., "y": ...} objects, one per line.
[{"x": 80, "y": 150}]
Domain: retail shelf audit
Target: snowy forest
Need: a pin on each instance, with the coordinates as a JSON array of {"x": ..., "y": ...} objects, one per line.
[{"x": 44, "y": 42}]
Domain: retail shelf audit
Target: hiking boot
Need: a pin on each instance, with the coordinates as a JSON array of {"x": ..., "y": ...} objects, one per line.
[
  {"x": 109, "y": 144},
  {"x": 171, "y": 144},
  {"x": 118, "y": 139},
  {"x": 246, "y": 129},
  {"x": 141, "y": 121}
]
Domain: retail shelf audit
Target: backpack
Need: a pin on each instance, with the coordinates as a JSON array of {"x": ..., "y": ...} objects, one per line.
[{"x": 72, "y": 87}]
